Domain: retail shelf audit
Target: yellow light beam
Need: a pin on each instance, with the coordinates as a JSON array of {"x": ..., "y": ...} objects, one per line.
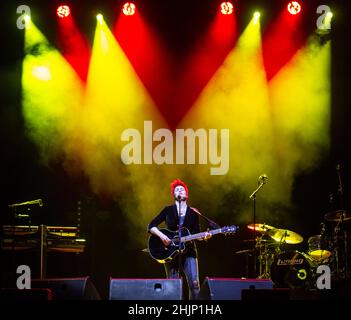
[
  {"x": 237, "y": 98},
  {"x": 116, "y": 101},
  {"x": 52, "y": 96}
]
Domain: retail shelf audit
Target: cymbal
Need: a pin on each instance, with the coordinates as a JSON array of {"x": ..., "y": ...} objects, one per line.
[
  {"x": 260, "y": 227},
  {"x": 340, "y": 215},
  {"x": 285, "y": 236}
]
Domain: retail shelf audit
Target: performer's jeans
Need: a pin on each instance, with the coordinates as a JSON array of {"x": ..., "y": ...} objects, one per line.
[{"x": 191, "y": 271}]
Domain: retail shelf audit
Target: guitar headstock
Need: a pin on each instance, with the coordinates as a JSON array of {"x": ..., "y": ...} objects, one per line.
[{"x": 230, "y": 229}]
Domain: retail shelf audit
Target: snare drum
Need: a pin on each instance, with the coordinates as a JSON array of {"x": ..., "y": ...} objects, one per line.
[
  {"x": 319, "y": 248},
  {"x": 293, "y": 269}
]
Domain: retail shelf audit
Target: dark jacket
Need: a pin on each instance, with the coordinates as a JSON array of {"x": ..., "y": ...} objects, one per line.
[{"x": 169, "y": 215}]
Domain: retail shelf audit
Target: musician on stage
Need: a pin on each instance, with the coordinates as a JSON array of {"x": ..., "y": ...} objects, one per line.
[{"x": 181, "y": 214}]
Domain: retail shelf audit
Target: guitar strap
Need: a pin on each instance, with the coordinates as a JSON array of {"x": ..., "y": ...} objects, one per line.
[{"x": 212, "y": 224}]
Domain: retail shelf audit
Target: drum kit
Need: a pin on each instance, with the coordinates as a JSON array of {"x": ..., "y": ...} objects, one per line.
[{"x": 289, "y": 268}]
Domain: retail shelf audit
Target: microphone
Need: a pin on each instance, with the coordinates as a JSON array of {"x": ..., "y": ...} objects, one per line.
[
  {"x": 179, "y": 197},
  {"x": 263, "y": 177}
]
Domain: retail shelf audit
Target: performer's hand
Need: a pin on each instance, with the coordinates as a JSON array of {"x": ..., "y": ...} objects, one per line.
[
  {"x": 166, "y": 241},
  {"x": 208, "y": 235}
]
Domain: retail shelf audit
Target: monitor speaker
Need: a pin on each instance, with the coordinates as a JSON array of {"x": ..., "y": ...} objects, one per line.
[
  {"x": 230, "y": 288},
  {"x": 145, "y": 289},
  {"x": 13, "y": 294},
  {"x": 69, "y": 288}
]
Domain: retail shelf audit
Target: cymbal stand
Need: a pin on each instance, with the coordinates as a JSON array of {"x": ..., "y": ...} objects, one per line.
[
  {"x": 258, "y": 246},
  {"x": 261, "y": 256},
  {"x": 341, "y": 195},
  {"x": 344, "y": 249},
  {"x": 336, "y": 249},
  {"x": 282, "y": 241},
  {"x": 346, "y": 255},
  {"x": 264, "y": 255},
  {"x": 43, "y": 250}
]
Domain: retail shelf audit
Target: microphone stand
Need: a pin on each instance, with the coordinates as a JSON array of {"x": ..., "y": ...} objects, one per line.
[
  {"x": 180, "y": 238},
  {"x": 253, "y": 197}
]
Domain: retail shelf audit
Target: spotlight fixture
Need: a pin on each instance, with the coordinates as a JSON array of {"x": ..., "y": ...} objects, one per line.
[
  {"x": 41, "y": 73},
  {"x": 256, "y": 16},
  {"x": 63, "y": 11},
  {"x": 129, "y": 9},
  {"x": 294, "y": 7},
  {"x": 227, "y": 8},
  {"x": 99, "y": 18}
]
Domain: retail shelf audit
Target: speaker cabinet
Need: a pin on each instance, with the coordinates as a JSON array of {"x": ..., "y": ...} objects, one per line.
[
  {"x": 266, "y": 294},
  {"x": 230, "y": 288},
  {"x": 145, "y": 289},
  {"x": 69, "y": 288},
  {"x": 12, "y": 294}
]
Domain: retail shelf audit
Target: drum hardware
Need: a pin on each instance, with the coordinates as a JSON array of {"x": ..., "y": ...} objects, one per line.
[
  {"x": 339, "y": 243},
  {"x": 256, "y": 240},
  {"x": 319, "y": 248},
  {"x": 340, "y": 216},
  {"x": 265, "y": 249},
  {"x": 337, "y": 216},
  {"x": 248, "y": 251},
  {"x": 280, "y": 237},
  {"x": 272, "y": 247},
  {"x": 293, "y": 269},
  {"x": 339, "y": 249}
]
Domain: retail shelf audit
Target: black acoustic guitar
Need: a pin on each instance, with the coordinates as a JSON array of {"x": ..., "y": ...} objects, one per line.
[{"x": 163, "y": 254}]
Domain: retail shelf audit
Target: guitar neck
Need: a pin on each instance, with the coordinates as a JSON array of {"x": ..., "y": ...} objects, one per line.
[{"x": 199, "y": 235}]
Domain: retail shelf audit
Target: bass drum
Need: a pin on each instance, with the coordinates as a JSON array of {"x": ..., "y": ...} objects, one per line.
[{"x": 293, "y": 269}]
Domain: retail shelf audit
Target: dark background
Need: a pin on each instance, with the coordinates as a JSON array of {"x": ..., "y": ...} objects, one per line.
[{"x": 108, "y": 253}]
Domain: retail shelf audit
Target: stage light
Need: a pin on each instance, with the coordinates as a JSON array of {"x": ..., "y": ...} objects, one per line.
[
  {"x": 41, "y": 73},
  {"x": 63, "y": 11},
  {"x": 227, "y": 8},
  {"x": 256, "y": 16},
  {"x": 294, "y": 7},
  {"x": 129, "y": 9},
  {"x": 27, "y": 21},
  {"x": 100, "y": 18}
]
